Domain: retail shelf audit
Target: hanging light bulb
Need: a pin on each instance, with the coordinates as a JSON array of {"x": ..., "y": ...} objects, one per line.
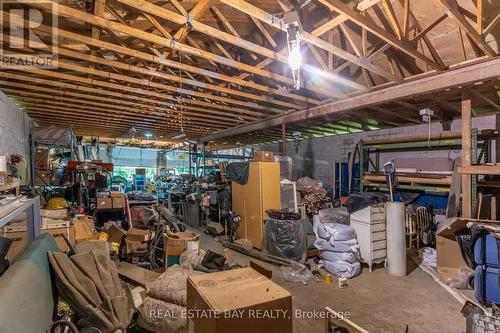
[
  {"x": 294, "y": 36},
  {"x": 295, "y": 57}
]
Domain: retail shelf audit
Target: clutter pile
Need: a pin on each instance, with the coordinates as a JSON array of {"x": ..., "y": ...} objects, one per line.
[
  {"x": 314, "y": 195},
  {"x": 337, "y": 244}
]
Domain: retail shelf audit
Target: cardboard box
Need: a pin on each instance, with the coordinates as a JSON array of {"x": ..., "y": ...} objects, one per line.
[
  {"x": 84, "y": 229},
  {"x": 238, "y": 300},
  {"x": 215, "y": 228},
  {"x": 449, "y": 256},
  {"x": 140, "y": 235},
  {"x": 42, "y": 158},
  {"x": 175, "y": 244},
  {"x": 104, "y": 203},
  {"x": 17, "y": 232},
  {"x": 118, "y": 201},
  {"x": 43, "y": 177},
  {"x": 58, "y": 232},
  {"x": 115, "y": 234},
  {"x": 135, "y": 247},
  {"x": 263, "y": 156},
  {"x": 55, "y": 214}
]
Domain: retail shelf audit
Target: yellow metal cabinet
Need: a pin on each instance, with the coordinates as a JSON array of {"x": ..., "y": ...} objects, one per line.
[{"x": 251, "y": 200}]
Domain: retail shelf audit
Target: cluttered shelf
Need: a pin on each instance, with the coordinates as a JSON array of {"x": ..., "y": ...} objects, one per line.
[{"x": 422, "y": 174}]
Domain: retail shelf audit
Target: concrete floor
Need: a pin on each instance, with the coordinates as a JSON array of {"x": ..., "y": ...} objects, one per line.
[{"x": 376, "y": 301}]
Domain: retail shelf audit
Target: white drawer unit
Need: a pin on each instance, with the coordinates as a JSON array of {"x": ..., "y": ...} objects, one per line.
[{"x": 369, "y": 225}]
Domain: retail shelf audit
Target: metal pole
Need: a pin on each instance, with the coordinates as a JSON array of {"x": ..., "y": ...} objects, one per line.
[
  {"x": 283, "y": 139},
  {"x": 189, "y": 156},
  {"x": 204, "y": 161},
  {"x": 32, "y": 153}
]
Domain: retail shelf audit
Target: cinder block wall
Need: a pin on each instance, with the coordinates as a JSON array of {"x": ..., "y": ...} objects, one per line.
[
  {"x": 316, "y": 156},
  {"x": 14, "y": 128}
]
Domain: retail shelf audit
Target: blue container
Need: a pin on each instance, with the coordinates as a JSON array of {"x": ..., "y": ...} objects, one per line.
[
  {"x": 491, "y": 251},
  {"x": 492, "y": 287}
]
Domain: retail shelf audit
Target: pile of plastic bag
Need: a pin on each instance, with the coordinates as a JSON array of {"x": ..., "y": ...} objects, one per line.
[{"x": 338, "y": 248}]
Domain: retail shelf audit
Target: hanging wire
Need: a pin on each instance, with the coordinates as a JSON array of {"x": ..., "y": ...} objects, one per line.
[
  {"x": 180, "y": 86},
  {"x": 429, "y": 134}
]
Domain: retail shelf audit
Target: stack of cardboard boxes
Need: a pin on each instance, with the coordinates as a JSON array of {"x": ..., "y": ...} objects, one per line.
[
  {"x": 43, "y": 175},
  {"x": 136, "y": 241},
  {"x": 115, "y": 200},
  {"x": 55, "y": 222}
]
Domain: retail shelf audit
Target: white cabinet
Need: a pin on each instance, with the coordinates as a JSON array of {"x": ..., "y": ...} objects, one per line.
[{"x": 369, "y": 225}]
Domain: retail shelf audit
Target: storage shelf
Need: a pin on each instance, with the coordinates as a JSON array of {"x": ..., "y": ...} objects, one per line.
[{"x": 32, "y": 208}]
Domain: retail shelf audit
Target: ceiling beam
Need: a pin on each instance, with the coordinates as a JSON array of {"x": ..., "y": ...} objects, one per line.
[
  {"x": 203, "y": 28},
  {"x": 157, "y": 114},
  {"x": 461, "y": 76},
  {"x": 491, "y": 26},
  {"x": 402, "y": 45},
  {"x": 129, "y": 89},
  {"x": 393, "y": 21},
  {"x": 229, "y": 26},
  {"x": 162, "y": 60},
  {"x": 262, "y": 15},
  {"x": 165, "y": 76},
  {"x": 453, "y": 10},
  {"x": 264, "y": 32},
  {"x": 365, "y": 4},
  {"x": 155, "y": 39},
  {"x": 128, "y": 99}
]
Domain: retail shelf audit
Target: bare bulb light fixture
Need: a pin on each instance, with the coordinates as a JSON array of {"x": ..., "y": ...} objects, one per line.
[{"x": 294, "y": 36}]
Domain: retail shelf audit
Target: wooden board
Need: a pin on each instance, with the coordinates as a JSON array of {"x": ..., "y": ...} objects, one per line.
[
  {"x": 341, "y": 324},
  {"x": 446, "y": 180},
  {"x": 138, "y": 275}
]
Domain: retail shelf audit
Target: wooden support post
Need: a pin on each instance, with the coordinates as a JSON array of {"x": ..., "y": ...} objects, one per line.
[
  {"x": 497, "y": 141},
  {"x": 283, "y": 139},
  {"x": 466, "y": 155}
]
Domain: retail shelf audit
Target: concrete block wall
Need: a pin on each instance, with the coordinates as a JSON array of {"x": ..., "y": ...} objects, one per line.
[
  {"x": 14, "y": 128},
  {"x": 316, "y": 156}
]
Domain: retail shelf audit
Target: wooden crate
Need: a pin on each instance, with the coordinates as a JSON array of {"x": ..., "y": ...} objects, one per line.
[{"x": 58, "y": 230}]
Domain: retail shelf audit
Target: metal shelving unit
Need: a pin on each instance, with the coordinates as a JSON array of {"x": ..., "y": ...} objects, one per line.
[
  {"x": 31, "y": 206},
  {"x": 480, "y": 150}
]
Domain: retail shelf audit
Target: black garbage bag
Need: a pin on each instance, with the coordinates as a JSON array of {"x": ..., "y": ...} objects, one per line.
[
  {"x": 285, "y": 238},
  {"x": 238, "y": 172}
]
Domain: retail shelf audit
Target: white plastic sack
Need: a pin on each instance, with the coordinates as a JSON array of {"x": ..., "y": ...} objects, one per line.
[
  {"x": 341, "y": 268},
  {"x": 335, "y": 232},
  {"x": 340, "y": 246},
  {"x": 429, "y": 256},
  {"x": 350, "y": 257}
]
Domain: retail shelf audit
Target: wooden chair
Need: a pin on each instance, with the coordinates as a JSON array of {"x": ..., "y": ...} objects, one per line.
[
  {"x": 423, "y": 219},
  {"x": 411, "y": 229}
]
